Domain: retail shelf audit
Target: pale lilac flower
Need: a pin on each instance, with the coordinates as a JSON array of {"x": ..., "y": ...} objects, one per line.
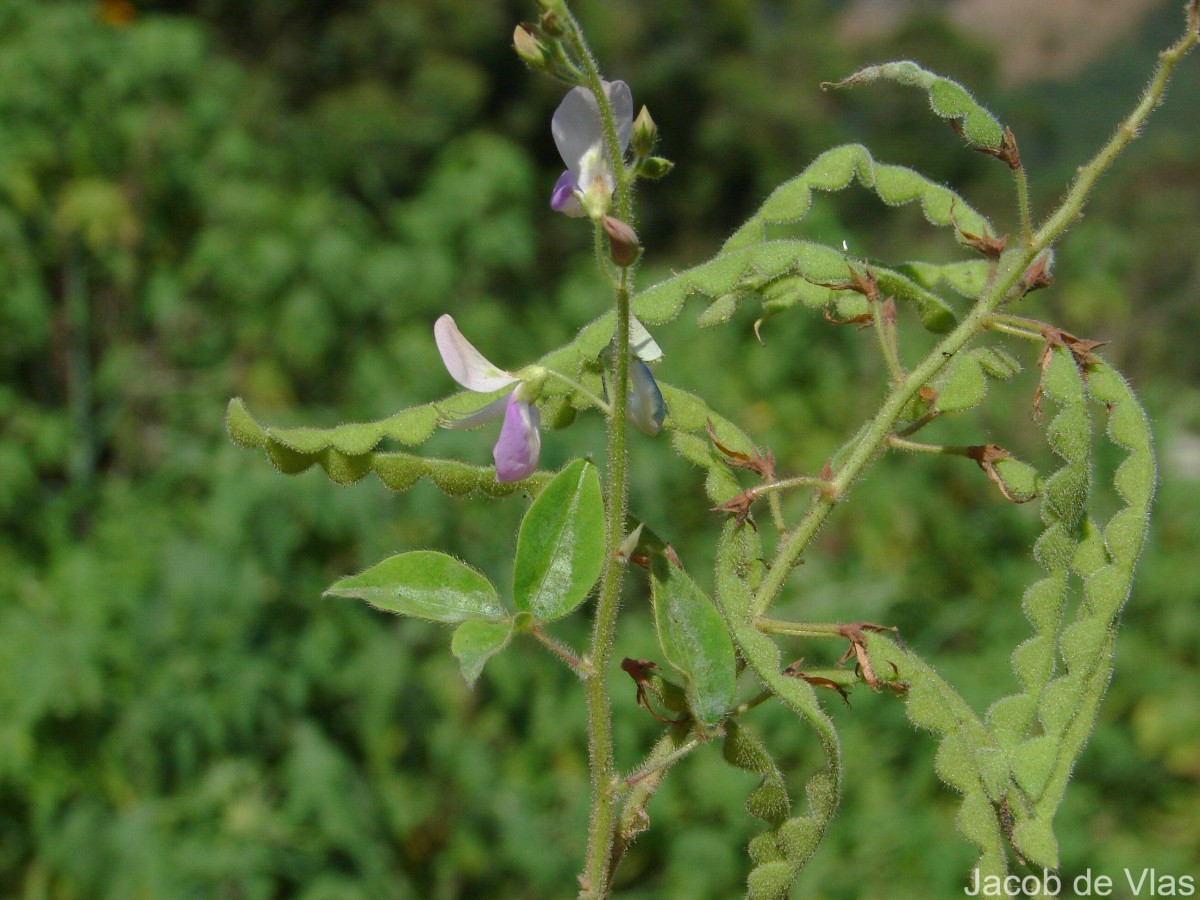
[
  {"x": 645, "y": 407},
  {"x": 516, "y": 452},
  {"x": 579, "y": 135}
]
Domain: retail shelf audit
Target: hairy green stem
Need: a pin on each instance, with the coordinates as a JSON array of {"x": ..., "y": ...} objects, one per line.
[
  {"x": 598, "y": 249},
  {"x": 600, "y": 748},
  {"x": 1003, "y": 327},
  {"x": 757, "y": 700},
  {"x": 581, "y": 390},
  {"x": 600, "y": 856},
  {"x": 581, "y": 667},
  {"x": 775, "y": 504},
  {"x": 1023, "y": 211},
  {"x": 899, "y": 443},
  {"x": 789, "y": 483},
  {"x": 1071, "y": 207},
  {"x": 1010, "y": 269},
  {"x": 887, "y": 343},
  {"x": 638, "y": 793},
  {"x": 660, "y": 759},
  {"x": 799, "y": 629}
]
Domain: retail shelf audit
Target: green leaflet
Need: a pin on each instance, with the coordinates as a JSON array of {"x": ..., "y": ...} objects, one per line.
[
  {"x": 296, "y": 450},
  {"x": 948, "y": 99},
  {"x": 560, "y": 548},
  {"x": 834, "y": 170},
  {"x": 779, "y": 853},
  {"x": 476, "y": 641},
  {"x": 693, "y": 638},
  {"x": 425, "y": 584}
]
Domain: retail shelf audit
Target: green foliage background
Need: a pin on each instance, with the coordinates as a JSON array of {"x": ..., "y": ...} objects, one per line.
[{"x": 275, "y": 200}]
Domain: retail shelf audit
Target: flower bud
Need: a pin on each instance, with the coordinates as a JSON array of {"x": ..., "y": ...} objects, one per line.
[
  {"x": 623, "y": 242},
  {"x": 654, "y": 167},
  {"x": 645, "y": 133},
  {"x": 552, "y": 24},
  {"x": 557, "y": 413},
  {"x": 558, "y": 7},
  {"x": 529, "y": 48}
]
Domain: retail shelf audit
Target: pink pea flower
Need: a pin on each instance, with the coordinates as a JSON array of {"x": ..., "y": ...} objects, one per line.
[{"x": 520, "y": 443}]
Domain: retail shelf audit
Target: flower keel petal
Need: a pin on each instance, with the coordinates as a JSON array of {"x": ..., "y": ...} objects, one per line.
[
  {"x": 563, "y": 199},
  {"x": 516, "y": 452}
]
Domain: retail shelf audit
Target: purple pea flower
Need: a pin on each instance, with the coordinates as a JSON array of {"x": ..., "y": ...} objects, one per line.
[
  {"x": 579, "y": 135},
  {"x": 516, "y": 452}
]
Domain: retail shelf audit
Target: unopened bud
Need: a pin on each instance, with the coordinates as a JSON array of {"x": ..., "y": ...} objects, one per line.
[
  {"x": 654, "y": 167},
  {"x": 645, "y": 133},
  {"x": 529, "y": 48},
  {"x": 554, "y": 6},
  {"x": 552, "y": 24},
  {"x": 623, "y": 242},
  {"x": 557, "y": 412}
]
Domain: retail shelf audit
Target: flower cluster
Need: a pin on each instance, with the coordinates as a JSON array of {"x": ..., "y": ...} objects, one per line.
[{"x": 585, "y": 188}]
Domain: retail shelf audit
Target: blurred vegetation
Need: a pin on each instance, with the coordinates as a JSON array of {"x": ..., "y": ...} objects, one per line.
[{"x": 275, "y": 199}]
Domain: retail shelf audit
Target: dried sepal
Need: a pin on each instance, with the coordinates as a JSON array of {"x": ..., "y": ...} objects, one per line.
[
  {"x": 986, "y": 456},
  {"x": 856, "y": 634},
  {"x": 738, "y": 506},
  {"x": 1008, "y": 152},
  {"x": 639, "y": 670},
  {"x": 1080, "y": 350},
  {"x": 794, "y": 670},
  {"x": 987, "y": 245},
  {"x": 761, "y": 464}
]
